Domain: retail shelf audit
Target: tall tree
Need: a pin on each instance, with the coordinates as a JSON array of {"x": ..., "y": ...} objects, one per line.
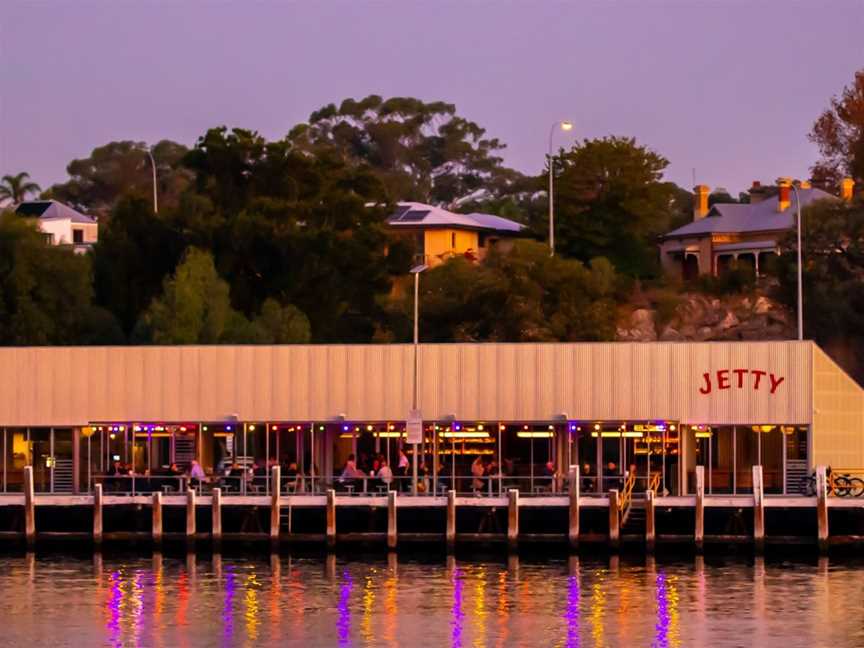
[
  {"x": 420, "y": 151},
  {"x": 839, "y": 134},
  {"x": 16, "y": 188},
  {"x": 117, "y": 169},
  {"x": 612, "y": 202}
]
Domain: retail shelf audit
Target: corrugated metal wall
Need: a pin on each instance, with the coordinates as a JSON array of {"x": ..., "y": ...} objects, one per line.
[
  {"x": 77, "y": 385},
  {"x": 838, "y": 418}
]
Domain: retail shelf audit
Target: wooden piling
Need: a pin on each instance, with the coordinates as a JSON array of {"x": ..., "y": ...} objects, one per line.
[
  {"x": 573, "y": 529},
  {"x": 512, "y": 519},
  {"x": 822, "y": 508},
  {"x": 97, "y": 515},
  {"x": 216, "y": 516},
  {"x": 451, "y": 520},
  {"x": 157, "y": 519},
  {"x": 275, "y": 492},
  {"x": 190, "y": 515},
  {"x": 614, "y": 521},
  {"x": 758, "y": 511},
  {"x": 29, "y": 508},
  {"x": 649, "y": 521},
  {"x": 391, "y": 519},
  {"x": 331, "y": 518},
  {"x": 699, "y": 527}
]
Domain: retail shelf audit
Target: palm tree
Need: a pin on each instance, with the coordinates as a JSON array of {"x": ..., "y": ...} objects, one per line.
[{"x": 16, "y": 188}]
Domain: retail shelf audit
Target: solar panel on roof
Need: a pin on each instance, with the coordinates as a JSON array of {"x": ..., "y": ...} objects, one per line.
[
  {"x": 32, "y": 208},
  {"x": 413, "y": 216}
]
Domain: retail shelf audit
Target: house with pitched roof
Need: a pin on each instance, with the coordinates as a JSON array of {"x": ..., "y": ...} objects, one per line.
[
  {"x": 440, "y": 234},
  {"x": 61, "y": 224},
  {"x": 737, "y": 234}
]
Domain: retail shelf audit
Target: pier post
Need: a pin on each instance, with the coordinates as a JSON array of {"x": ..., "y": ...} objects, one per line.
[
  {"x": 391, "y": 519},
  {"x": 331, "y": 518},
  {"x": 699, "y": 527},
  {"x": 275, "y": 492},
  {"x": 573, "y": 529},
  {"x": 29, "y": 508},
  {"x": 512, "y": 519},
  {"x": 614, "y": 521},
  {"x": 216, "y": 515},
  {"x": 451, "y": 520},
  {"x": 649, "y": 521},
  {"x": 758, "y": 511},
  {"x": 97, "y": 514},
  {"x": 157, "y": 518},
  {"x": 190, "y": 515},
  {"x": 822, "y": 508}
]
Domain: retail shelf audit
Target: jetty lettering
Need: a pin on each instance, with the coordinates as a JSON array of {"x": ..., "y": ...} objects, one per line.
[{"x": 740, "y": 379}]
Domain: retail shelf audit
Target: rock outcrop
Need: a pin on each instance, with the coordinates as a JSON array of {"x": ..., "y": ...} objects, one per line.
[{"x": 700, "y": 318}]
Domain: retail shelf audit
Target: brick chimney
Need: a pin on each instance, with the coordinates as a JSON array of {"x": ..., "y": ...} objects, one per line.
[
  {"x": 784, "y": 198},
  {"x": 757, "y": 192},
  {"x": 847, "y": 188},
  {"x": 700, "y": 201}
]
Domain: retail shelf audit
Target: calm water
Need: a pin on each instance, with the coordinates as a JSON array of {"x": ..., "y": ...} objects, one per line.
[{"x": 169, "y": 601}]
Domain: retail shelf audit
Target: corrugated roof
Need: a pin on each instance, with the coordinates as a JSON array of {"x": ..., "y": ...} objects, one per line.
[
  {"x": 51, "y": 210},
  {"x": 414, "y": 214},
  {"x": 754, "y": 217}
]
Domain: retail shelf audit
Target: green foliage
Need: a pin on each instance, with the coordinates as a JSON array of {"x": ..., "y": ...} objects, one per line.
[
  {"x": 419, "y": 151},
  {"x": 45, "y": 292},
  {"x": 518, "y": 296},
  {"x": 839, "y": 134},
  {"x": 611, "y": 202},
  {"x": 98, "y": 182},
  {"x": 833, "y": 273},
  {"x": 733, "y": 281},
  {"x": 16, "y": 188}
]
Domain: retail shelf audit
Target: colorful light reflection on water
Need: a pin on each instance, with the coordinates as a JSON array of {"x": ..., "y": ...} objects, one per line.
[{"x": 393, "y": 602}]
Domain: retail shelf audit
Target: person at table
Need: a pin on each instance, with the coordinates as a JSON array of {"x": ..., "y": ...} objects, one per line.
[
  {"x": 351, "y": 473},
  {"x": 174, "y": 470},
  {"x": 587, "y": 479},
  {"x": 478, "y": 470},
  {"x": 385, "y": 473},
  {"x": 196, "y": 473},
  {"x": 402, "y": 470}
]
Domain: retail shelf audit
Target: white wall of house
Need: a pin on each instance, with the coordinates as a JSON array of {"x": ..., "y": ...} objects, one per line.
[{"x": 62, "y": 232}]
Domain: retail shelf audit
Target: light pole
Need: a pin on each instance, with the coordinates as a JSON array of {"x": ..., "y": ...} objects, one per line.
[
  {"x": 153, "y": 167},
  {"x": 416, "y": 270},
  {"x": 800, "y": 281},
  {"x": 564, "y": 126}
]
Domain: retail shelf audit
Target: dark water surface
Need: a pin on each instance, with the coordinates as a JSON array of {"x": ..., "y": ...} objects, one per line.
[{"x": 385, "y": 601}]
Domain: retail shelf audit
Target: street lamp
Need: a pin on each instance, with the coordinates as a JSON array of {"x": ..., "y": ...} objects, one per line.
[
  {"x": 564, "y": 126},
  {"x": 153, "y": 166},
  {"x": 416, "y": 270},
  {"x": 800, "y": 282}
]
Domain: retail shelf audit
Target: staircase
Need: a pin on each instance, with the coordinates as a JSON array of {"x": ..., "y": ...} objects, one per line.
[
  {"x": 184, "y": 451},
  {"x": 63, "y": 476},
  {"x": 633, "y": 521},
  {"x": 796, "y": 471}
]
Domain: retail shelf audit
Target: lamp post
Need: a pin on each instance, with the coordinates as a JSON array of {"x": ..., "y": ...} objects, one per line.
[
  {"x": 800, "y": 281},
  {"x": 416, "y": 270},
  {"x": 153, "y": 167},
  {"x": 564, "y": 126}
]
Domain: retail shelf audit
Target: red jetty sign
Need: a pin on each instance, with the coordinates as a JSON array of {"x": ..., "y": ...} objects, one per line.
[{"x": 740, "y": 379}]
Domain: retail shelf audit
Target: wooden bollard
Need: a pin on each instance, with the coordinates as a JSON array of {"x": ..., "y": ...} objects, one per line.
[
  {"x": 758, "y": 511},
  {"x": 822, "y": 508},
  {"x": 331, "y": 518},
  {"x": 573, "y": 528},
  {"x": 157, "y": 519},
  {"x": 650, "y": 535},
  {"x": 190, "y": 515},
  {"x": 216, "y": 517},
  {"x": 275, "y": 513},
  {"x": 391, "y": 519},
  {"x": 614, "y": 521},
  {"x": 512, "y": 519},
  {"x": 699, "y": 526},
  {"x": 450, "y": 534},
  {"x": 97, "y": 514},
  {"x": 29, "y": 508}
]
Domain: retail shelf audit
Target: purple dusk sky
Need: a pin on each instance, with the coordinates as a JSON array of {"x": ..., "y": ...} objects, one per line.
[{"x": 729, "y": 88}]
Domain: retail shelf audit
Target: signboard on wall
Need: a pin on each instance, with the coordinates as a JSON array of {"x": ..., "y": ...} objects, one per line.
[{"x": 414, "y": 427}]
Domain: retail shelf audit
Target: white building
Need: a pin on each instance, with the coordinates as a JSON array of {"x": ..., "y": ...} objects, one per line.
[{"x": 61, "y": 224}]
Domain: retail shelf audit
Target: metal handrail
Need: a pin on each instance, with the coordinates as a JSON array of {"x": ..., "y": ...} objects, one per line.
[
  {"x": 654, "y": 482},
  {"x": 627, "y": 496}
]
